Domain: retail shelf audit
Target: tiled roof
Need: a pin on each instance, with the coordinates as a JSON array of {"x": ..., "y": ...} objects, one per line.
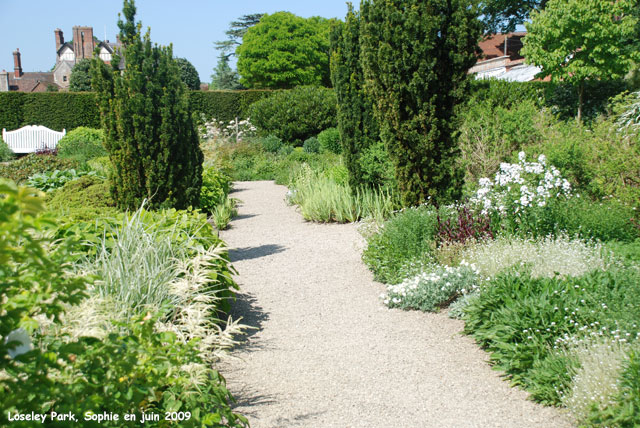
[
  {"x": 31, "y": 82},
  {"x": 493, "y": 46}
]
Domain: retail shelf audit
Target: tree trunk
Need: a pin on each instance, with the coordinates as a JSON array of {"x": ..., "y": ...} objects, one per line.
[{"x": 580, "y": 100}]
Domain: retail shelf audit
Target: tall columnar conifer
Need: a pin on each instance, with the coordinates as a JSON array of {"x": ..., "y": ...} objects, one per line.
[
  {"x": 415, "y": 55},
  {"x": 356, "y": 122},
  {"x": 150, "y": 135}
]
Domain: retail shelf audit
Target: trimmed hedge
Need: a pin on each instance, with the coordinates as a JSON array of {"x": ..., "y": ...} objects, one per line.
[
  {"x": 69, "y": 110},
  {"x": 55, "y": 110},
  {"x": 225, "y": 105}
]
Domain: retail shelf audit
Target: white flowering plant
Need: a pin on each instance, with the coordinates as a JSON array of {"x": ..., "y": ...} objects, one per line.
[
  {"x": 518, "y": 191},
  {"x": 433, "y": 288},
  {"x": 235, "y": 130}
]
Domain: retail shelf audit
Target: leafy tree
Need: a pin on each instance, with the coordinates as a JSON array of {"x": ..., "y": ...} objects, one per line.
[
  {"x": 356, "y": 122},
  {"x": 80, "y": 79},
  {"x": 284, "y": 51},
  {"x": 235, "y": 33},
  {"x": 579, "y": 40},
  {"x": 188, "y": 74},
  {"x": 150, "y": 135},
  {"x": 223, "y": 76},
  {"x": 505, "y": 15},
  {"x": 415, "y": 57}
]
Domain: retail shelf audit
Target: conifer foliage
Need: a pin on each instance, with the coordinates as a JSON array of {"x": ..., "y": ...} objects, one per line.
[
  {"x": 415, "y": 57},
  {"x": 150, "y": 135},
  {"x": 357, "y": 125}
]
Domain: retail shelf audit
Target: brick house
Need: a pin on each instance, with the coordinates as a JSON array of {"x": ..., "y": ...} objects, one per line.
[
  {"x": 68, "y": 54},
  {"x": 501, "y": 59}
]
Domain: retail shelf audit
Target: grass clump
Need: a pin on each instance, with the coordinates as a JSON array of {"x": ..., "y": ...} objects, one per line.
[
  {"x": 325, "y": 197},
  {"x": 224, "y": 212}
]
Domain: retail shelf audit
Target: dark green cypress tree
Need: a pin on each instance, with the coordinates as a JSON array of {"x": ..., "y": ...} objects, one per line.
[
  {"x": 415, "y": 55},
  {"x": 150, "y": 134},
  {"x": 356, "y": 122}
]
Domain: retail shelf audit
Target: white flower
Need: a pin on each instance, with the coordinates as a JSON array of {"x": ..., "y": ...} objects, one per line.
[{"x": 522, "y": 156}]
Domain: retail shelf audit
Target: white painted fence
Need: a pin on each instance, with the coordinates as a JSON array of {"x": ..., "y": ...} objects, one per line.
[{"x": 32, "y": 138}]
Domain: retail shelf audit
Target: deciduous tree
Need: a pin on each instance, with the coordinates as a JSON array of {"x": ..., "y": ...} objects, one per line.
[
  {"x": 505, "y": 15},
  {"x": 283, "y": 51},
  {"x": 80, "y": 79},
  {"x": 579, "y": 40}
]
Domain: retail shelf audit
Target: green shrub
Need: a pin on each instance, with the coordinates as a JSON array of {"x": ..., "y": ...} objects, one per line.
[
  {"x": 608, "y": 220},
  {"x": 21, "y": 169},
  {"x": 143, "y": 371},
  {"x": 519, "y": 319},
  {"x": 271, "y": 143},
  {"x": 416, "y": 109},
  {"x": 82, "y": 200},
  {"x": 36, "y": 284},
  {"x": 82, "y": 144},
  {"x": 215, "y": 188},
  {"x": 6, "y": 154},
  {"x": 295, "y": 115},
  {"x": 627, "y": 252},
  {"x": 359, "y": 129},
  {"x": 139, "y": 368},
  {"x": 150, "y": 133},
  {"x": 285, "y": 150},
  {"x": 330, "y": 140},
  {"x": 560, "y": 97},
  {"x": 375, "y": 166},
  {"x": 405, "y": 238},
  {"x": 599, "y": 160},
  {"x": 490, "y": 133},
  {"x": 311, "y": 145}
]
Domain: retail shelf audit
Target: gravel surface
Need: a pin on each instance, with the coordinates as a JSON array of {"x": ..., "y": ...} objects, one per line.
[{"x": 325, "y": 352}]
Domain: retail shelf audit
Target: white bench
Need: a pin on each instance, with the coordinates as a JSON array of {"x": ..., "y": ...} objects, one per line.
[{"x": 32, "y": 138}]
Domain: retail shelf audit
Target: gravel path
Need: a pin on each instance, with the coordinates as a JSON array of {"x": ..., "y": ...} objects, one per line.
[{"x": 327, "y": 353}]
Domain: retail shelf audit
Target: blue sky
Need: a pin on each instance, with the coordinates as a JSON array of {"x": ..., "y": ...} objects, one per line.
[{"x": 191, "y": 25}]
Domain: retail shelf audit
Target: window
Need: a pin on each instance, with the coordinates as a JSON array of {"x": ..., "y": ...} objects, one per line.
[{"x": 64, "y": 78}]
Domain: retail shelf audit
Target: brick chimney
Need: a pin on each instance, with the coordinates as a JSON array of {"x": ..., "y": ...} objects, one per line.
[
  {"x": 17, "y": 64},
  {"x": 59, "y": 38},
  {"x": 83, "y": 44}
]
